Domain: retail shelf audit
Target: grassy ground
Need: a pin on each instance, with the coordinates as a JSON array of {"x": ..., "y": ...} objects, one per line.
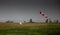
[{"x": 50, "y": 29}]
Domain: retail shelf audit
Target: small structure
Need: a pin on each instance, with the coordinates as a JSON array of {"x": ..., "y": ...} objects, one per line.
[{"x": 20, "y": 22}]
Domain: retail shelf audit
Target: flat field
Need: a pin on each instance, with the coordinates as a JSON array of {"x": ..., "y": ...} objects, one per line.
[{"x": 29, "y": 29}]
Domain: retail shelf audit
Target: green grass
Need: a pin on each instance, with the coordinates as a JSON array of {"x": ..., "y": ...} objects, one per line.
[{"x": 51, "y": 29}]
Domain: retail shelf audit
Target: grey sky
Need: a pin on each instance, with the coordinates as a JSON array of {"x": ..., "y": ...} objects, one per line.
[{"x": 23, "y": 10}]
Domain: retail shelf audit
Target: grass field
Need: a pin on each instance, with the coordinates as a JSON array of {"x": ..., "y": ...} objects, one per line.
[{"x": 29, "y": 29}]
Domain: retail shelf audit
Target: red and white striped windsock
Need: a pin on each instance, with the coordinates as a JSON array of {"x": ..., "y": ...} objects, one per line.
[{"x": 45, "y": 16}]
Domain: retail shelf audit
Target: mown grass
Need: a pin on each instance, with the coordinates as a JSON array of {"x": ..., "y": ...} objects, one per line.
[{"x": 51, "y": 29}]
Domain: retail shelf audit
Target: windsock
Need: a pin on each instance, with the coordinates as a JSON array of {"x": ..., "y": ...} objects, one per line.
[{"x": 45, "y": 16}]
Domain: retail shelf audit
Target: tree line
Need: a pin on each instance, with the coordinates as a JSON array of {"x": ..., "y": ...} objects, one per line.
[{"x": 31, "y": 21}]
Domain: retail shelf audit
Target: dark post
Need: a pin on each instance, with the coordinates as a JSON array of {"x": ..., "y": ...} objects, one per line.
[
  {"x": 46, "y": 21},
  {"x": 30, "y": 20}
]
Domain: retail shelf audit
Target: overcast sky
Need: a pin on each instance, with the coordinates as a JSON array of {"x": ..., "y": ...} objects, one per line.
[{"x": 23, "y": 10}]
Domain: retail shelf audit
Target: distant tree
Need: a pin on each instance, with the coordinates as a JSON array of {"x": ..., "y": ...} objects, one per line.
[
  {"x": 46, "y": 21},
  {"x": 50, "y": 21},
  {"x": 57, "y": 21},
  {"x": 30, "y": 20},
  {"x": 8, "y": 21},
  {"x": 11, "y": 21},
  {"x": 24, "y": 21}
]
